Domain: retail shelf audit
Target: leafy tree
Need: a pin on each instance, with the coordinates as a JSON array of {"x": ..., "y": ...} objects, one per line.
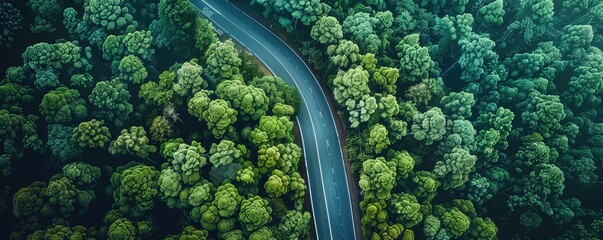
[
  {"x": 406, "y": 209},
  {"x": 109, "y": 15},
  {"x": 222, "y": 59},
  {"x": 134, "y": 189},
  {"x": 477, "y": 59},
  {"x": 160, "y": 93},
  {"x": 384, "y": 80},
  {"x": 493, "y": 12},
  {"x": 111, "y": 99},
  {"x": 47, "y": 13},
  {"x": 378, "y": 140},
  {"x": 255, "y": 213},
  {"x": 457, "y": 105},
  {"x": 344, "y": 54},
  {"x": 290, "y": 12},
  {"x": 59, "y": 231},
  {"x": 377, "y": 178},
  {"x": 220, "y": 117},
  {"x": 294, "y": 225},
  {"x": 251, "y": 102},
  {"x": 132, "y": 70},
  {"x": 190, "y": 232},
  {"x": 455, "y": 168},
  {"x": 93, "y": 134},
  {"x": 190, "y": 80},
  {"x": 60, "y": 143},
  {"x": 188, "y": 161},
  {"x": 429, "y": 126},
  {"x": 277, "y": 184},
  {"x": 327, "y": 30},
  {"x": 223, "y": 153},
  {"x": 415, "y": 61},
  {"x": 350, "y": 85},
  {"x": 227, "y": 200},
  {"x": 161, "y": 129},
  {"x": 272, "y": 129},
  {"x": 404, "y": 163},
  {"x": 278, "y": 91},
  {"x": 364, "y": 29},
  {"x": 181, "y": 29},
  {"x": 133, "y": 141},
  {"x": 10, "y": 19},
  {"x": 63, "y": 105}
]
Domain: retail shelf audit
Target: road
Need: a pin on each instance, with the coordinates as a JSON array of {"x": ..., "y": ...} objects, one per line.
[{"x": 327, "y": 181}]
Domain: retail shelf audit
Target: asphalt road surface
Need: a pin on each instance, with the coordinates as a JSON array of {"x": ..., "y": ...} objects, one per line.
[{"x": 327, "y": 181}]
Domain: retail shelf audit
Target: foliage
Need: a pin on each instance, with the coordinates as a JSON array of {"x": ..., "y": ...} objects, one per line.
[
  {"x": 93, "y": 134},
  {"x": 132, "y": 141}
]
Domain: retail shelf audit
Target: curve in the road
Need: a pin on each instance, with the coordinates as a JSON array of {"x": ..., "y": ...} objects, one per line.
[{"x": 327, "y": 177}]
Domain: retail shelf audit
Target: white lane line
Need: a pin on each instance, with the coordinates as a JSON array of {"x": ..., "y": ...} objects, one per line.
[
  {"x": 303, "y": 98},
  {"x": 307, "y": 173}
]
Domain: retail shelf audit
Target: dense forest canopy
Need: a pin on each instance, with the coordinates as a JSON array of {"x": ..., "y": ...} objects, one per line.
[
  {"x": 465, "y": 119},
  {"x": 129, "y": 119}
]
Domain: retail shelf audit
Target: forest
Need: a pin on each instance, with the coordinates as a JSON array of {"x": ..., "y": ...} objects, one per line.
[
  {"x": 465, "y": 119},
  {"x": 130, "y": 119}
]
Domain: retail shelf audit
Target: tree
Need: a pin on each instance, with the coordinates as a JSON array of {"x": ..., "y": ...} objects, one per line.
[
  {"x": 227, "y": 200},
  {"x": 363, "y": 29},
  {"x": 255, "y": 213},
  {"x": 294, "y": 225},
  {"x": 277, "y": 184},
  {"x": 220, "y": 117},
  {"x": 131, "y": 70},
  {"x": 110, "y": 15},
  {"x": 272, "y": 129},
  {"x": 133, "y": 141},
  {"x": 111, "y": 99},
  {"x": 290, "y": 12},
  {"x": 134, "y": 189},
  {"x": 384, "y": 80},
  {"x": 181, "y": 29},
  {"x": 455, "y": 168},
  {"x": 493, "y": 12},
  {"x": 190, "y": 80},
  {"x": 222, "y": 59},
  {"x": 278, "y": 91},
  {"x": 415, "y": 61},
  {"x": 457, "y": 105},
  {"x": 378, "y": 140},
  {"x": 11, "y": 21},
  {"x": 344, "y": 54},
  {"x": 350, "y": 85},
  {"x": 60, "y": 143},
  {"x": 327, "y": 30},
  {"x": 223, "y": 153},
  {"x": 188, "y": 161},
  {"x": 93, "y": 134},
  {"x": 160, "y": 93},
  {"x": 377, "y": 178},
  {"x": 46, "y": 15},
  {"x": 406, "y": 209},
  {"x": 63, "y": 105},
  {"x": 429, "y": 126},
  {"x": 251, "y": 102}
]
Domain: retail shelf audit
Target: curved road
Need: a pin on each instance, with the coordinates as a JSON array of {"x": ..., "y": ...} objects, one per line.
[{"x": 327, "y": 180}]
